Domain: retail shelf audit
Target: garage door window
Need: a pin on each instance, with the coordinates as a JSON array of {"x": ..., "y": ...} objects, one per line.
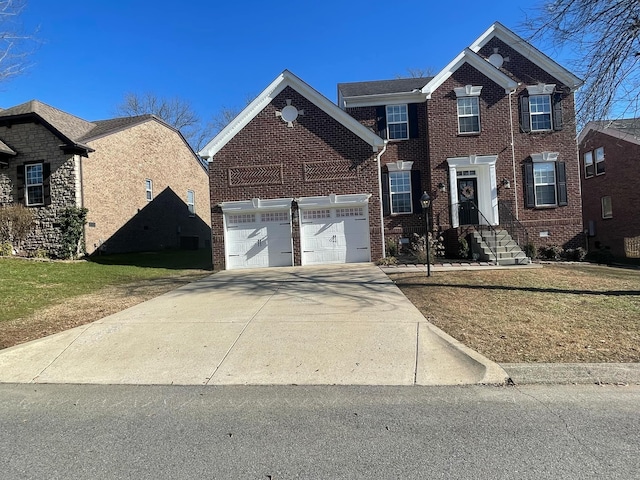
[
  {"x": 243, "y": 218},
  {"x": 350, "y": 212},
  {"x": 313, "y": 214},
  {"x": 275, "y": 217}
]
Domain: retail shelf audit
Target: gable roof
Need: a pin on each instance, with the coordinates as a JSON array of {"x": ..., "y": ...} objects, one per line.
[
  {"x": 288, "y": 79},
  {"x": 107, "y": 127},
  {"x": 627, "y": 129},
  {"x": 5, "y": 149},
  {"x": 524, "y": 48},
  {"x": 477, "y": 62}
]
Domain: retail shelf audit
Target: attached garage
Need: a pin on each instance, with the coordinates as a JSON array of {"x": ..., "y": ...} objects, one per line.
[
  {"x": 334, "y": 229},
  {"x": 258, "y": 233}
]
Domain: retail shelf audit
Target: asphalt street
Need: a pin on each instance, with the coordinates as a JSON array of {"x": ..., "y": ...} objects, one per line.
[{"x": 283, "y": 432}]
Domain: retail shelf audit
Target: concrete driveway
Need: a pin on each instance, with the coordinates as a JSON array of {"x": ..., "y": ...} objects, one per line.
[{"x": 344, "y": 324}]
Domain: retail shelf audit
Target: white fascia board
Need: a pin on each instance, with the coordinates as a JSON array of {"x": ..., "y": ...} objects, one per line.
[
  {"x": 477, "y": 62},
  {"x": 334, "y": 200},
  {"x": 382, "y": 99},
  {"x": 472, "y": 160},
  {"x": 288, "y": 79},
  {"x": 612, "y": 132},
  {"x": 527, "y": 50}
]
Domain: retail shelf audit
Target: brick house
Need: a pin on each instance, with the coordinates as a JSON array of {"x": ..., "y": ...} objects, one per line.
[
  {"x": 490, "y": 138},
  {"x": 610, "y": 171},
  {"x": 143, "y": 186}
]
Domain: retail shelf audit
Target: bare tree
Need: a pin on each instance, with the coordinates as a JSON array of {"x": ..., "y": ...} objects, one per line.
[
  {"x": 13, "y": 41},
  {"x": 412, "y": 72},
  {"x": 175, "y": 111},
  {"x": 604, "y": 39}
]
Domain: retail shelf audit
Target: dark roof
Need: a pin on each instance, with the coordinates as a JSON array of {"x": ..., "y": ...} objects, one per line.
[
  {"x": 68, "y": 125},
  {"x": 629, "y": 126},
  {"x": 4, "y": 148},
  {"x": 106, "y": 127},
  {"x": 381, "y": 87}
]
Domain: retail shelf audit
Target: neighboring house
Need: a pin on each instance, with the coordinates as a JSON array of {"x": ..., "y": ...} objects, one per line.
[
  {"x": 491, "y": 138},
  {"x": 610, "y": 172},
  {"x": 143, "y": 186}
]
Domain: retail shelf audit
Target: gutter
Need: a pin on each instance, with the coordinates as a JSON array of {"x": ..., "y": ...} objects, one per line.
[{"x": 384, "y": 149}]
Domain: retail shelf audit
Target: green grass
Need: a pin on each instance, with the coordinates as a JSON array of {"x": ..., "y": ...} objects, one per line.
[{"x": 26, "y": 285}]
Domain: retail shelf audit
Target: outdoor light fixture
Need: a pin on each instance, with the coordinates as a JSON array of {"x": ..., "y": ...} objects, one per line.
[
  {"x": 425, "y": 201},
  {"x": 506, "y": 183},
  {"x": 442, "y": 187}
]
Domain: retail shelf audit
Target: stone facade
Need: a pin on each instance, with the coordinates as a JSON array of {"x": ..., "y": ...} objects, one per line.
[{"x": 618, "y": 233}]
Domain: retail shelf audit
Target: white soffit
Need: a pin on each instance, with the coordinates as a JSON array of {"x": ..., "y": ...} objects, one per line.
[
  {"x": 256, "y": 204},
  {"x": 333, "y": 200},
  {"x": 472, "y": 160},
  {"x": 527, "y": 50},
  {"x": 477, "y": 62},
  {"x": 288, "y": 79},
  {"x": 382, "y": 99}
]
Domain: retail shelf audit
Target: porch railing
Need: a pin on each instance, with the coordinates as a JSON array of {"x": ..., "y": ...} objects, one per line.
[{"x": 512, "y": 225}]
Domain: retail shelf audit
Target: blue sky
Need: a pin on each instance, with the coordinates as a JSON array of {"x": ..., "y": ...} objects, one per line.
[{"x": 218, "y": 53}]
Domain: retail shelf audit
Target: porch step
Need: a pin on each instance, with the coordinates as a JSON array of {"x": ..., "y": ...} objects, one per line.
[{"x": 501, "y": 244}]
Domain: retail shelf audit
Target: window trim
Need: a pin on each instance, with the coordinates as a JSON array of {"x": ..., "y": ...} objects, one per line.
[
  {"x": 536, "y": 184},
  {"x": 389, "y": 123},
  {"x": 460, "y": 116},
  {"x": 404, "y": 192},
  {"x": 148, "y": 189},
  {"x": 539, "y": 114},
  {"x": 28, "y": 185},
  {"x": 597, "y": 162},
  {"x": 191, "y": 205},
  {"x": 587, "y": 165},
  {"x": 606, "y": 213}
]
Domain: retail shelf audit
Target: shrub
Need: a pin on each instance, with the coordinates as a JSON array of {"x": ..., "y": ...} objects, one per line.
[
  {"x": 391, "y": 247},
  {"x": 6, "y": 249},
  {"x": 419, "y": 251},
  {"x": 387, "y": 261},
  {"x": 463, "y": 248},
  {"x": 16, "y": 222},
  {"x": 576, "y": 254},
  {"x": 71, "y": 222},
  {"x": 601, "y": 255},
  {"x": 550, "y": 252}
]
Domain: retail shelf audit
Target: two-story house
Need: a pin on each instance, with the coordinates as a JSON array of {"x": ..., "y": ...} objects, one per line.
[
  {"x": 490, "y": 138},
  {"x": 143, "y": 186},
  {"x": 610, "y": 171}
]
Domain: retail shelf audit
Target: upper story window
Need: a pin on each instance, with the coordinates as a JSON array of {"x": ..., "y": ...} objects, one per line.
[
  {"x": 468, "y": 108},
  {"x": 191, "y": 202},
  {"x": 34, "y": 183},
  {"x": 599, "y": 154},
  {"x": 468, "y": 115},
  {"x": 397, "y": 122},
  {"x": 589, "y": 169},
  {"x": 545, "y": 181},
  {"x": 541, "y": 109},
  {"x": 148, "y": 186}
]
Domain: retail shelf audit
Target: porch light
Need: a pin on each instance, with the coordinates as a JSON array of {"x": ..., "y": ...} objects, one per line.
[
  {"x": 442, "y": 187},
  {"x": 506, "y": 183},
  {"x": 425, "y": 201}
]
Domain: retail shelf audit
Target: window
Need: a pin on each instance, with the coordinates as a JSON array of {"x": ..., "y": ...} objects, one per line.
[
  {"x": 468, "y": 115},
  {"x": 34, "y": 183},
  {"x": 544, "y": 177},
  {"x": 397, "y": 122},
  {"x": 400, "y": 191},
  {"x": 191, "y": 202},
  {"x": 607, "y": 210},
  {"x": 588, "y": 165},
  {"x": 148, "y": 185},
  {"x": 540, "y": 111},
  {"x": 599, "y": 160}
]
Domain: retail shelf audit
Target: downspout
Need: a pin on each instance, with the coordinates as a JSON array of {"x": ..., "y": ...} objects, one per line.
[
  {"x": 384, "y": 149},
  {"x": 513, "y": 155}
]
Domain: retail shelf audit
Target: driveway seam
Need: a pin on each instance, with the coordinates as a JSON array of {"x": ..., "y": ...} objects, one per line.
[
  {"x": 33, "y": 380},
  {"x": 415, "y": 366},
  {"x": 240, "y": 335}
]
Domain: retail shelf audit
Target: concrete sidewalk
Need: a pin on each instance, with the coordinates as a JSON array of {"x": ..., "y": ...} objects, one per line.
[{"x": 343, "y": 324}]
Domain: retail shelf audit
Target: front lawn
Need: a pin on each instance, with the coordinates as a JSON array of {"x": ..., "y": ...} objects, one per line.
[{"x": 561, "y": 313}]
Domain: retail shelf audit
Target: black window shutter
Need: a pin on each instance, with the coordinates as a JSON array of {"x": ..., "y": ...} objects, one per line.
[
  {"x": 530, "y": 197},
  {"x": 46, "y": 183},
  {"x": 561, "y": 183},
  {"x": 412, "y": 111},
  {"x": 381, "y": 121},
  {"x": 525, "y": 119},
  {"x": 557, "y": 111},
  {"x": 21, "y": 183},
  {"x": 416, "y": 190},
  {"x": 386, "y": 203}
]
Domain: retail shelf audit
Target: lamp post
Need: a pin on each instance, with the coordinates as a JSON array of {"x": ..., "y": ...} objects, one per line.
[{"x": 425, "y": 201}]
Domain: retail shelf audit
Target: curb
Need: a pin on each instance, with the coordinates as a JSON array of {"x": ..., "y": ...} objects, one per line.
[{"x": 573, "y": 373}]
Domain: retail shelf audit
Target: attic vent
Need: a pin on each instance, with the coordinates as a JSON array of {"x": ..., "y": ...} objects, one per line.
[{"x": 496, "y": 59}]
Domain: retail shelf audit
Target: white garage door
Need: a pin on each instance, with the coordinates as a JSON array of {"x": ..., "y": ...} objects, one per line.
[
  {"x": 335, "y": 235},
  {"x": 258, "y": 239}
]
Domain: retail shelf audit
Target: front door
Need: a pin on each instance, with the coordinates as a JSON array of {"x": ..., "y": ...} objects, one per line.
[{"x": 468, "y": 201}]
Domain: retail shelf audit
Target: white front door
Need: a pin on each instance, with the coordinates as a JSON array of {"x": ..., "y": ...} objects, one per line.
[
  {"x": 259, "y": 239},
  {"x": 334, "y": 235}
]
